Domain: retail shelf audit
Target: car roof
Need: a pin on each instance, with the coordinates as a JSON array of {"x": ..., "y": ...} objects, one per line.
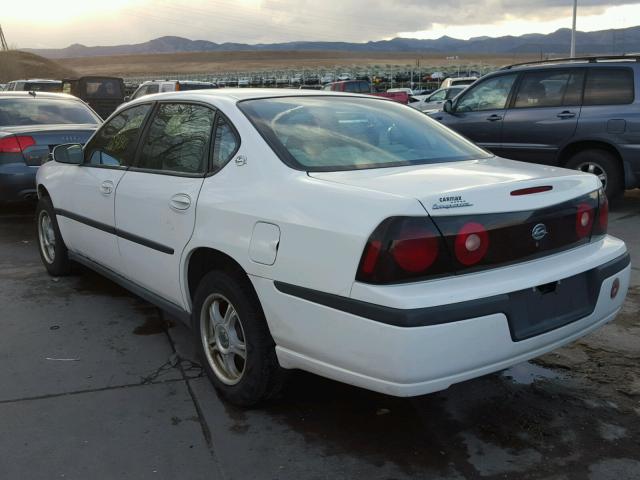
[
  {"x": 41, "y": 80},
  {"x": 603, "y": 61},
  {"x": 239, "y": 94}
]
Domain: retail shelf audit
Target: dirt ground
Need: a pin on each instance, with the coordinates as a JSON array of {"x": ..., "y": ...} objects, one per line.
[{"x": 212, "y": 62}]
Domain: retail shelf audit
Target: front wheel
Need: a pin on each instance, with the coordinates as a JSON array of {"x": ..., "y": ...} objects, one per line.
[
  {"x": 233, "y": 340},
  {"x": 602, "y": 164},
  {"x": 53, "y": 251}
]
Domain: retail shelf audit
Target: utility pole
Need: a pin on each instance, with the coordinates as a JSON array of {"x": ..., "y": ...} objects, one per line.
[
  {"x": 573, "y": 30},
  {"x": 3, "y": 41}
]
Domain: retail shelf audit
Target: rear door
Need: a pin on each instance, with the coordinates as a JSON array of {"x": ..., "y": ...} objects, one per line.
[
  {"x": 543, "y": 114},
  {"x": 156, "y": 199},
  {"x": 86, "y": 211},
  {"x": 480, "y": 110}
]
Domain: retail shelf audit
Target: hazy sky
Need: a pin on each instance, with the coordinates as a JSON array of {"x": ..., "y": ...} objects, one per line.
[{"x": 58, "y": 23}]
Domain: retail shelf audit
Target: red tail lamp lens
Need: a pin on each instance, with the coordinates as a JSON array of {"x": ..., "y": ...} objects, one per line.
[
  {"x": 415, "y": 249},
  {"x": 604, "y": 213},
  {"x": 371, "y": 256},
  {"x": 16, "y": 144},
  {"x": 471, "y": 244},
  {"x": 584, "y": 220}
]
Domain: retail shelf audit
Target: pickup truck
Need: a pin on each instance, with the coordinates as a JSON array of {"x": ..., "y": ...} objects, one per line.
[{"x": 362, "y": 86}]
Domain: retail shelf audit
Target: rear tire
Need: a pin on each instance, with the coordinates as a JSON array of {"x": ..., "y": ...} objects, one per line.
[
  {"x": 53, "y": 251},
  {"x": 233, "y": 340},
  {"x": 603, "y": 164}
]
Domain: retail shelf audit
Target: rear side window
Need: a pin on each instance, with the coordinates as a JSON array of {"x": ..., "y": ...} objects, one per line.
[
  {"x": 609, "y": 86},
  {"x": 551, "y": 88},
  {"x": 226, "y": 143},
  {"x": 178, "y": 139},
  {"x": 115, "y": 143}
]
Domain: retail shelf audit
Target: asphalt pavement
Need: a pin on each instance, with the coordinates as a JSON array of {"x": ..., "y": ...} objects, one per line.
[{"x": 98, "y": 384}]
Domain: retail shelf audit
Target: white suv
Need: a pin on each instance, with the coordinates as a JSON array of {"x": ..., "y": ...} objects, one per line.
[{"x": 345, "y": 235}]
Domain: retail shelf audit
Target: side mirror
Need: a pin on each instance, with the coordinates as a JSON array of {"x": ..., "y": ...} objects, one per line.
[
  {"x": 70, "y": 153},
  {"x": 127, "y": 98},
  {"x": 448, "y": 106}
]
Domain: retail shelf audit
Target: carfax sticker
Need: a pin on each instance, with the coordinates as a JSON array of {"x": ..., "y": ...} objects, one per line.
[{"x": 454, "y": 201}]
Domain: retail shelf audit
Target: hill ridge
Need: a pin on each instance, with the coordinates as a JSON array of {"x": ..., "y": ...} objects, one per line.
[{"x": 611, "y": 41}]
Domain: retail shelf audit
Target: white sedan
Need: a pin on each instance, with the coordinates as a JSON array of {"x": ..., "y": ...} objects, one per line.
[{"x": 345, "y": 235}]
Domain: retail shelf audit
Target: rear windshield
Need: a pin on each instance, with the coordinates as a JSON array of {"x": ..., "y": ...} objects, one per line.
[
  {"x": 348, "y": 133},
  {"x": 197, "y": 86},
  {"x": 43, "y": 86},
  {"x": 44, "y": 111},
  {"x": 103, "y": 88}
]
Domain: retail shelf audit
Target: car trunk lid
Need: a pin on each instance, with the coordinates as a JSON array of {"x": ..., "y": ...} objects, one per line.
[
  {"x": 42, "y": 140},
  {"x": 472, "y": 187}
]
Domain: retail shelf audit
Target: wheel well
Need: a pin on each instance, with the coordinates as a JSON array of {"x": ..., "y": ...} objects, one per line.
[
  {"x": 570, "y": 150},
  {"x": 203, "y": 260},
  {"x": 42, "y": 191}
]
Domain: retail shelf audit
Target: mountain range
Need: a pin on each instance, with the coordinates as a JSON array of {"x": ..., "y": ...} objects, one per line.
[{"x": 613, "y": 41}]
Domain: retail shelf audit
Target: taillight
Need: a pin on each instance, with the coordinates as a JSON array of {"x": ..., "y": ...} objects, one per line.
[
  {"x": 416, "y": 248},
  {"x": 403, "y": 249},
  {"x": 600, "y": 227},
  {"x": 471, "y": 243},
  {"x": 16, "y": 144},
  {"x": 584, "y": 220}
]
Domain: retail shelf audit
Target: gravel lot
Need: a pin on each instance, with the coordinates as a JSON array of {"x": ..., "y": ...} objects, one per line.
[{"x": 99, "y": 384}]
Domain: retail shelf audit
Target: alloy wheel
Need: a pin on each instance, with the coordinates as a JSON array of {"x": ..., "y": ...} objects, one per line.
[
  {"x": 46, "y": 237},
  {"x": 223, "y": 339},
  {"x": 596, "y": 169}
]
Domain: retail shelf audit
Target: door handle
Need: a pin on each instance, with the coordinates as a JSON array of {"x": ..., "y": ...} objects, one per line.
[
  {"x": 566, "y": 114},
  {"x": 180, "y": 201},
  {"x": 494, "y": 118},
  {"x": 106, "y": 187}
]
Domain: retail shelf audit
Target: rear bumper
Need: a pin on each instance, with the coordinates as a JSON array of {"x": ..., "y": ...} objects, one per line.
[
  {"x": 17, "y": 182},
  {"x": 415, "y": 360}
]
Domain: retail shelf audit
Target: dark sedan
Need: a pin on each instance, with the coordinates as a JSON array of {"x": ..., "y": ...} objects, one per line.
[{"x": 31, "y": 124}]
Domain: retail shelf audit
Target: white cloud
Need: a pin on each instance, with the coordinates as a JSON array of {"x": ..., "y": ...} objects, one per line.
[{"x": 95, "y": 22}]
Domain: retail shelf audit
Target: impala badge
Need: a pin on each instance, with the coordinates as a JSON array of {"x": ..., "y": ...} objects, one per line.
[{"x": 539, "y": 232}]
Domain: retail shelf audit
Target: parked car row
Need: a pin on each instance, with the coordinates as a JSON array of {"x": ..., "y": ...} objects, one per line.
[{"x": 580, "y": 114}]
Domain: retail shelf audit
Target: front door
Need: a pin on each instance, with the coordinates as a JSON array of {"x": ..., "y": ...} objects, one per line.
[
  {"x": 86, "y": 210},
  {"x": 156, "y": 199},
  {"x": 478, "y": 112},
  {"x": 543, "y": 116}
]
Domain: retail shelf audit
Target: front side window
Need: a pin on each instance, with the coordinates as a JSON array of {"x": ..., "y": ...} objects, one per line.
[
  {"x": 452, "y": 92},
  {"x": 609, "y": 86},
  {"x": 438, "y": 96},
  {"x": 178, "y": 139},
  {"x": 337, "y": 133},
  {"x": 491, "y": 94},
  {"x": 115, "y": 143}
]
